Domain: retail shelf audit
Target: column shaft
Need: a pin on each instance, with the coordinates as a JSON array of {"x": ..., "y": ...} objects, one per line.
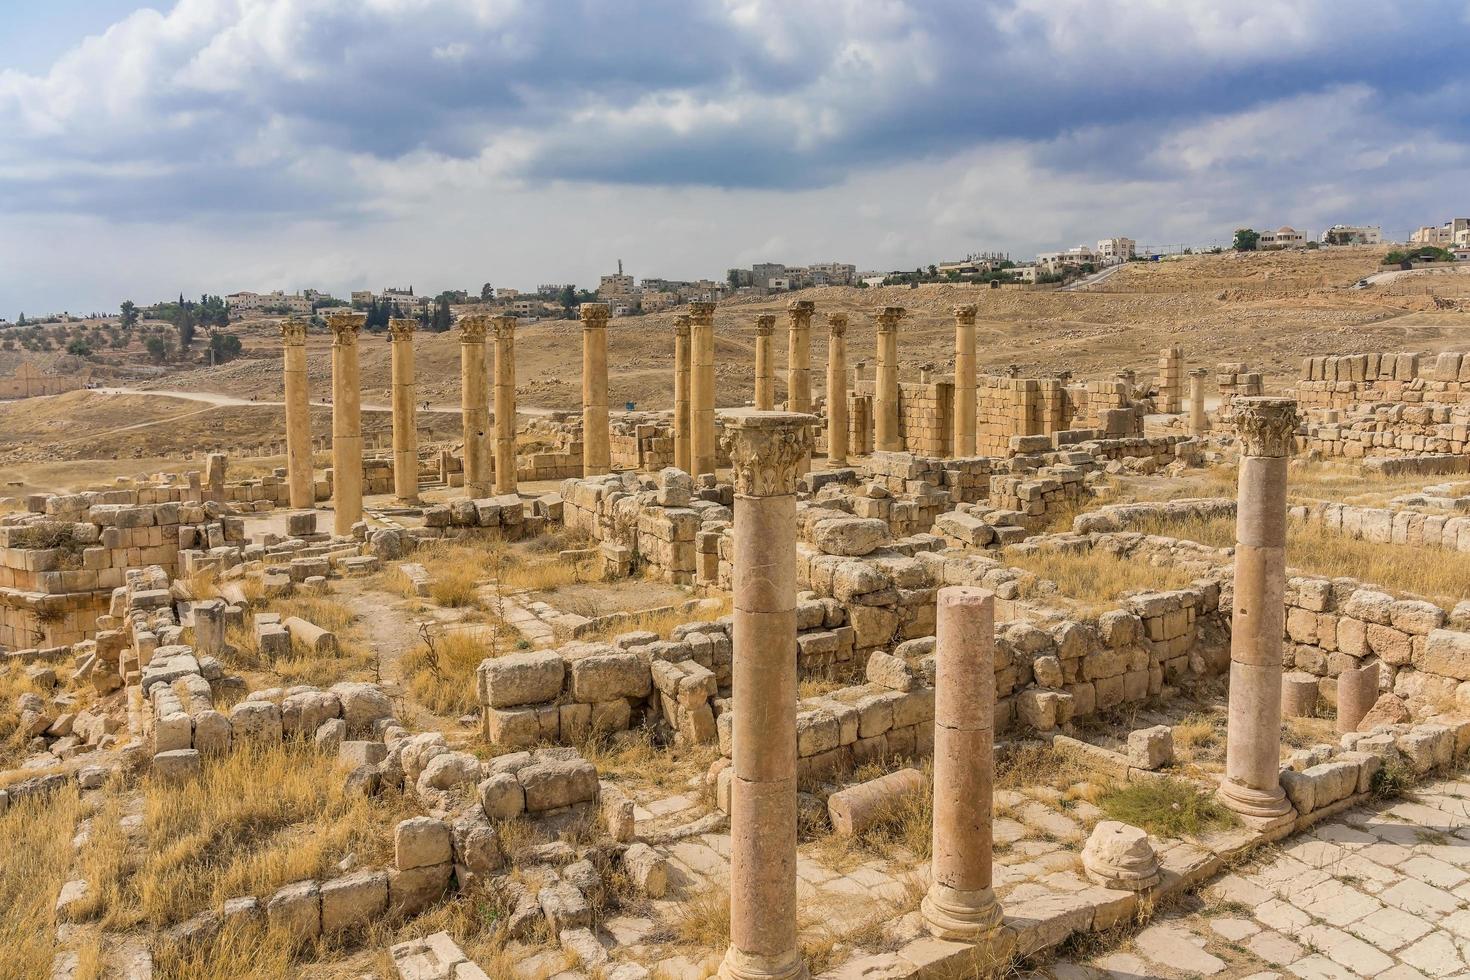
[
  {"x": 886, "y": 435},
  {"x": 702, "y": 388},
  {"x": 766, "y": 449},
  {"x": 346, "y": 422},
  {"x": 765, "y": 383},
  {"x": 1198, "y": 421},
  {"x": 596, "y": 447},
  {"x": 964, "y": 381},
  {"x": 681, "y": 393},
  {"x": 505, "y": 404},
  {"x": 799, "y": 356},
  {"x": 299, "y": 475},
  {"x": 405, "y": 426},
  {"x": 474, "y": 406},
  {"x": 837, "y": 389}
]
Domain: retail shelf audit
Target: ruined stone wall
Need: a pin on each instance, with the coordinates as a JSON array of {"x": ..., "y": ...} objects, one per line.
[
  {"x": 636, "y": 523},
  {"x": 1347, "y": 380},
  {"x": 1392, "y": 430},
  {"x": 1385, "y": 525},
  {"x": 926, "y": 417}
]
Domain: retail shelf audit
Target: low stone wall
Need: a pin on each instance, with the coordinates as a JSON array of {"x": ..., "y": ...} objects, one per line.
[
  {"x": 651, "y": 523},
  {"x": 965, "y": 479},
  {"x": 1384, "y": 525},
  {"x": 1351, "y": 379},
  {"x": 1393, "y": 430},
  {"x": 1451, "y": 498}
]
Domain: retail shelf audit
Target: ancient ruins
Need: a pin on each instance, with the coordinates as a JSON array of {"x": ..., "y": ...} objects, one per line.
[{"x": 903, "y": 671}]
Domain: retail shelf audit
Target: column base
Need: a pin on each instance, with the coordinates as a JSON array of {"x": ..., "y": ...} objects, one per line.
[
  {"x": 1257, "y": 804},
  {"x": 966, "y": 916},
  {"x": 748, "y": 966}
]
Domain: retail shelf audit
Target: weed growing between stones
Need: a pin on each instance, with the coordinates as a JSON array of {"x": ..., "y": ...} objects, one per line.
[{"x": 1166, "y": 807}]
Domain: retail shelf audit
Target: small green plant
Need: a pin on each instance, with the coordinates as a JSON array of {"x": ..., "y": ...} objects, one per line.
[
  {"x": 1392, "y": 781},
  {"x": 1167, "y": 807}
]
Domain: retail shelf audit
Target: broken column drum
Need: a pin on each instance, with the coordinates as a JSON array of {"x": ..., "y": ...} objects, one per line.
[
  {"x": 961, "y": 903},
  {"x": 766, "y": 451},
  {"x": 886, "y": 436},
  {"x": 1198, "y": 421},
  {"x": 799, "y": 355},
  {"x": 474, "y": 405},
  {"x": 596, "y": 441},
  {"x": 765, "y": 383},
  {"x": 346, "y": 422},
  {"x": 300, "y": 481},
  {"x": 405, "y": 426},
  {"x": 837, "y": 389},
  {"x": 964, "y": 380},
  {"x": 1252, "y": 787},
  {"x": 702, "y": 388},
  {"x": 681, "y": 392},
  {"x": 505, "y": 404}
]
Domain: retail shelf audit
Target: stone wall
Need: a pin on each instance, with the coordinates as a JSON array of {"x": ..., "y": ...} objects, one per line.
[
  {"x": 926, "y": 417},
  {"x": 1383, "y": 525},
  {"x": 1392, "y": 430},
  {"x": 638, "y": 523},
  {"x": 1347, "y": 380}
]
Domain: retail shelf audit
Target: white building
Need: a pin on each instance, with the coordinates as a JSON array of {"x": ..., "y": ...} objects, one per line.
[
  {"x": 1353, "y": 235},
  {"x": 1448, "y": 233},
  {"x": 1111, "y": 251},
  {"x": 277, "y": 301},
  {"x": 1284, "y": 237}
]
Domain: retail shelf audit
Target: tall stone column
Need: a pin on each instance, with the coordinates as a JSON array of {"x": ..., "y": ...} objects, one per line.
[
  {"x": 346, "y": 422},
  {"x": 405, "y": 425},
  {"x": 596, "y": 448},
  {"x": 702, "y": 388},
  {"x": 765, "y": 383},
  {"x": 474, "y": 405},
  {"x": 681, "y": 392},
  {"x": 298, "y": 417},
  {"x": 799, "y": 356},
  {"x": 1266, "y": 428},
  {"x": 886, "y": 436},
  {"x": 837, "y": 389},
  {"x": 505, "y": 404},
  {"x": 766, "y": 450},
  {"x": 961, "y": 904},
  {"x": 964, "y": 380},
  {"x": 1199, "y": 422}
]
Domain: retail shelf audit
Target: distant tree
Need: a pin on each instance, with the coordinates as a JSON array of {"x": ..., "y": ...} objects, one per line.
[
  {"x": 733, "y": 278},
  {"x": 1246, "y": 240},
  {"x": 21, "y": 320},
  {"x": 443, "y": 319},
  {"x": 128, "y": 318},
  {"x": 933, "y": 270},
  {"x": 79, "y": 348},
  {"x": 224, "y": 346},
  {"x": 568, "y": 297},
  {"x": 157, "y": 348},
  {"x": 487, "y": 291}
]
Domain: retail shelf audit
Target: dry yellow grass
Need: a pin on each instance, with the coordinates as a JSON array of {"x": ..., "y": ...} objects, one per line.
[
  {"x": 441, "y": 669},
  {"x": 302, "y": 666},
  {"x": 13, "y": 683},
  {"x": 37, "y": 835},
  {"x": 632, "y": 759},
  {"x": 662, "y": 621},
  {"x": 251, "y": 822},
  {"x": 1094, "y": 579}
]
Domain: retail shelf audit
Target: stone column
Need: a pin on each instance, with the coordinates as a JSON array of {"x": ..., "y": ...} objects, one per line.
[
  {"x": 886, "y": 437},
  {"x": 765, "y": 384},
  {"x": 681, "y": 392},
  {"x": 836, "y": 389},
  {"x": 1252, "y": 787},
  {"x": 1357, "y": 692},
  {"x": 960, "y": 904},
  {"x": 1199, "y": 422},
  {"x": 346, "y": 422},
  {"x": 799, "y": 356},
  {"x": 505, "y": 404},
  {"x": 474, "y": 405},
  {"x": 298, "y": 417},
  {"x": 964, "y": 380},
  {"x": 405, "y": 425},
  {"x": 702, "y": 388},
  {"x": 596, "y": 448},
  {"x": 766, "y": 450}
]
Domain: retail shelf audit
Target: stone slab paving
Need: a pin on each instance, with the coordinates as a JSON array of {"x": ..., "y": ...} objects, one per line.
[{"x": 1380, "y": 892}]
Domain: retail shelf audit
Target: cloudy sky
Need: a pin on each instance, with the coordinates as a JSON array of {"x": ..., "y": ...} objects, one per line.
[{"x": 193, "y": 145}]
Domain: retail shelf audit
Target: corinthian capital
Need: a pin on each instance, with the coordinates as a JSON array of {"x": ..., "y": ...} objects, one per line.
[
  {"x": 594, "y": 314},
  {"x": 800, "y": 311},
  {"x": 472, "y": 328},
  {"x": 505, "y": 327},
  {"x": 765, "y": 324},
  {"x": 1266, "y": 426},
  {"x": 345, "y": 327},
  {"x": 293, "y": 331},
  {"x": 888, "y": 318},
  {"x": 702, "y": 314},
  {"x": 681, "y": 325},
  {"x": 766, "y": 449},
  {"x": 402, "y": 328},
  {"x": 837, "y": 324},
  {"x": 965, "y": 315}
]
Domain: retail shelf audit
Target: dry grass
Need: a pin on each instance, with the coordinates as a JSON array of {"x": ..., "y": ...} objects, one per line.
[
  {"x": 251, "y": 822},
  {"x": 634, "y": 760},
  {"x": 1094, "y": 579},
  {"x": 1200, "y": 738},
  {"x": 704, "y": 920},
  {"x": 37, "y": 835},
  {"x": 13, "y": 745},
  {"x": 1167, "y": 807},
  {"x": 906, "y": 822},
  {"x": 441, "y": 669},
  {"x": 457, "y": 566},
  {"x": 1314, "y": 550},
  {"x": 662, "y": 621},
  {"x": 355, "y": 657}
]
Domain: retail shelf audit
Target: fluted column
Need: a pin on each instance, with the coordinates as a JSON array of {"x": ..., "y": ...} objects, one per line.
[
  {"x": 405, "y": 425},
  {"x": 505, "y": 404},
  {"x": 346, "y": 422},
  {"x": 1266, "y": 428},
  {"x": 799, "y": 356},
  {"x": 299, "y": 477},
  {"x": 702, "y": 388},
  {"x": 961, "y": 903},
  {"x": 765, "y": 384},
  {"x": 837, "y": 389},
  {"x": 964, "y": 380},
  {"x": 1199, "y": 422},
  {"x": 596, "y": 447},
  {"x": 766, "y": 450},
  {"x": 681, "y": 392},
  {"x": 474, "y": 405},
  {"x": 886, "y": 435}
]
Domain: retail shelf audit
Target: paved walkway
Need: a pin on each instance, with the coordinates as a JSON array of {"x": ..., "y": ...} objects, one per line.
[{"x": 1379, "y": 892}]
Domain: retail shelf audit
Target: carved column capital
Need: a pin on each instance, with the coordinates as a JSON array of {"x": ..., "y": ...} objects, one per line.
[
  {"x": 505, "y": 326},
  {"x": 1266, "y": 426},
  {"x": 766, "y": 450},
  {"x": 293, "y": 332},
  {"x": 472, "y": 328},
  {"x": 888, "y": 318},
  {"x": 765, "y": 324},
  {"x": 837, "y": 324},
  {"x": 594, "y": 315},
  {"x": 800, "y": 311},
  {"x": 702, "y": 314},
  {"x": 345, "y": 328},
  {"x": 402, "y": 329},
  {"x": 965, "y": 315},
  {"x": 681, "y": 325}
]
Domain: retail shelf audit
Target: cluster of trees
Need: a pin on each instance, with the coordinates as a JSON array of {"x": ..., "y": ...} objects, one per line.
[
  {"x": 1000, "y": 273},
  {"x": 1246, "y": 240},
  {"x": 1424, "y": 253},
  {"x": 188, "y": 316}
]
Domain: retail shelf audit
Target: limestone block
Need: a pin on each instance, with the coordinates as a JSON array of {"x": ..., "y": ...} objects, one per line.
[
  {"x": 520, "y": 679},
  {"x": 648, "y": 871},
  {"x": 502, "y": 797},
  {"x": 1299, "y": 694},
  {"x": 303, "y": 713},
  {"x": 564, "y": 906},
  {"x": 353, "y": 900},
  {"x": 415, "y": 889},
  {"x": 476, "y": 846},
  {"x": 513, "y": 729},
  {"x": 351, "y": 754},
  {"x": 850, "y": 536},
  {"x": 296, "y": 911},
  {"x": 890, "y": 672},
  {"x": 608, "y": 676},
  {"x": 176, "y": 766},
  {"x": 449, "y": 770},
  {"x": 212, "y": 733},
  {"x": 173, "y": 731},
  {"x": 421, "y": 842},
  {"x": 553, "y": 783},
  {"x": 856, "y": 809},
  {"x": 1446, "y": 652},
  {"x": 1121, "y": 857},
  {"x": 1151, "y": 748},
  {"x": 256, "y": 720}
]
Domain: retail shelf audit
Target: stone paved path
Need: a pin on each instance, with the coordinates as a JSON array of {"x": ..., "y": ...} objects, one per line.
[{"x": 1376, "y": 892}]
